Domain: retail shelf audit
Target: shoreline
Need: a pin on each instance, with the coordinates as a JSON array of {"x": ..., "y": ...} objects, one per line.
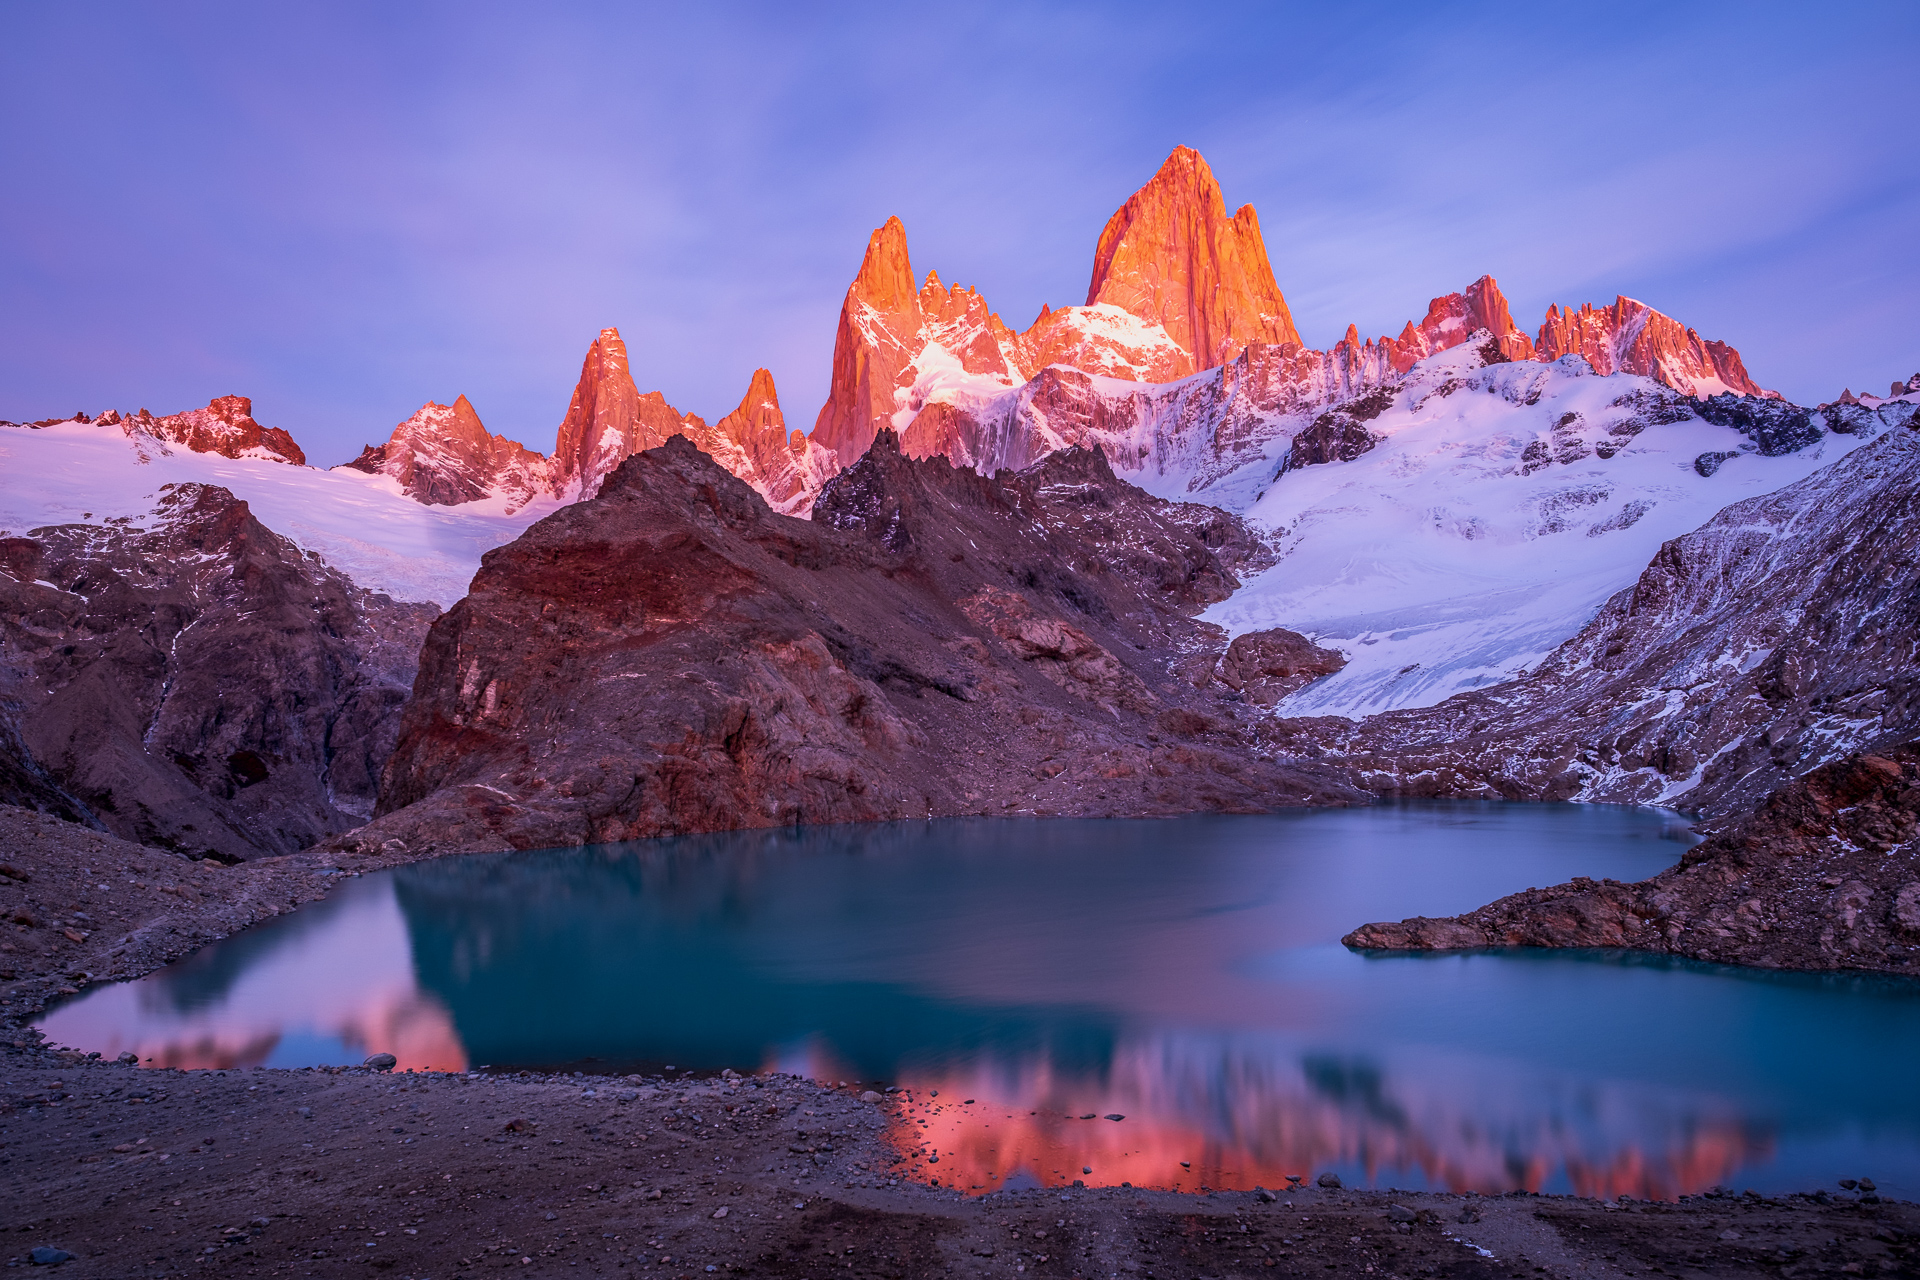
[{"x": 581, "y": 1172}]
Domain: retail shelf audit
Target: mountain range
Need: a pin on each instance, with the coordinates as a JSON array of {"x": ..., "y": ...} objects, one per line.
[{"x": 1149, "y": 553}]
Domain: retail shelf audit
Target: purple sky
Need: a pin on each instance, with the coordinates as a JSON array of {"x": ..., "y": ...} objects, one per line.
[{"x": 345, "y": 210}]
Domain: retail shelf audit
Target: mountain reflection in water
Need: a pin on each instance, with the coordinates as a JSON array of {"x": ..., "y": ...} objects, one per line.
[{"x": 1183, "y": 973}]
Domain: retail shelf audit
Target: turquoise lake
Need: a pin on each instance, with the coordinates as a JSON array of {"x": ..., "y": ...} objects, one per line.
[{"x": 1185, "y": 973}]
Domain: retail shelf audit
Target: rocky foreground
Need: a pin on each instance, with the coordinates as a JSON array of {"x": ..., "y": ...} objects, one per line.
[
  {"x": 196, "y": 681},
  {"x": 1825, "y": 874}
]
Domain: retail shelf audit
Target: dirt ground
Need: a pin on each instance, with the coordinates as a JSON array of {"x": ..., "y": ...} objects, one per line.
[{"x": 145, "y": 1172}]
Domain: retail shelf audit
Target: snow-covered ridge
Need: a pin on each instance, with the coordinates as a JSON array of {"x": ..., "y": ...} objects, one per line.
[
  {"x": 363, "y": 525},
  {"x": 1496, "y": 511}
]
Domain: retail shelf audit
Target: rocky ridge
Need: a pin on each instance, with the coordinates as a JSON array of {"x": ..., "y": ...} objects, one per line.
[
  {"x": 225, "y": 427},
  {"x": 443, "y": 455},
  {"x": 1824, "y": 874},
  {"x": 933, "y": 642},
  {"x": 1179, "y": 289},
  {"x": 1779, "y": 636},
  {"x": 1631, "y": 337},
  {"x": 196, "y": 681}
]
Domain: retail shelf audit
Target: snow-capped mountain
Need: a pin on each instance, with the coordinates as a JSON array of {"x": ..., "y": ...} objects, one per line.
[
  {"x": 1631, "y": 337},
  {"x": 1777, "y": 636},
  {"x": 1451, "y": 501},
  {"x": 1459, "y": 522},
  {"x": 112, "y": 470},
  {"x": 443, "y": 456}
]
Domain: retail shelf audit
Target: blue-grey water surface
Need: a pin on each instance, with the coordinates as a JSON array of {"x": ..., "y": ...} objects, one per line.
[{"x": 1185, "y": 973}]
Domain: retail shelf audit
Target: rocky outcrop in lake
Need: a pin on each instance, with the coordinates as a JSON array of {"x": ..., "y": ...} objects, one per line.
[
  {"x": 195, "y": 681},
  {"x": 1824, "y": 874},
  {"x": 673, "y": 656}
]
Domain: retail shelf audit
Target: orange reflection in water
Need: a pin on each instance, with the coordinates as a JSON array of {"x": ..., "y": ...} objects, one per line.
[{"x": 1246, "y": 1128}]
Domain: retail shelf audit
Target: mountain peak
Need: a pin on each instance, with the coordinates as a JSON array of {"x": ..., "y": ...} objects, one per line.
[
  {"x": 444, "y": 455},
  {"x": 1172, "y": 257},
  {"x": 885, "y": 281},
  {"x": 608, "y": 419},
  {"x": 226, "y": 427}
]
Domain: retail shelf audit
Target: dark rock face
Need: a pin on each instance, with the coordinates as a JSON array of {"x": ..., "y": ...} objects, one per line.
[
  {"x": 1779, "y": 636},
  {"x": 197, "y": 683},
  {"x": 1775, "y": 425},
  {"x": 672, "y": 656},
  {"x": 1338, "y": 435},
  {"x": 1824, "y": 874},
  {"x": 1266, "y": 666}
]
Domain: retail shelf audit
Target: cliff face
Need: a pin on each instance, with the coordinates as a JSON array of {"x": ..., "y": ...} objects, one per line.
[
  {"x": 887, "y": 324},
  {"x": 1823, "y": 874},
  {"x": 196, "y": 681},
  {"x": 1171, "y": 256},
  {"x": 1782, "y": 634},
  {"x": 1631, "y": 337},
  {"x": 608, "y": 420},
  {"x": 443, "y": 456},
  {"x": 1177, "y": 286},
  {"x": 674, "y": 656}
]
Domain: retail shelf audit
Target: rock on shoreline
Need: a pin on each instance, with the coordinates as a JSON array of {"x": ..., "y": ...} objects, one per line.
[{"x": 1823, "y": 875}]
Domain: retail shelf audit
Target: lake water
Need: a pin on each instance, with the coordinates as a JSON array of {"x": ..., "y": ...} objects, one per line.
[{"x": 1184, "y": 973}]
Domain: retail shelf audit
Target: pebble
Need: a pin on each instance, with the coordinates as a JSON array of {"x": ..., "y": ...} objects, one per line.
[
  {"x": 1331, "y": 1181},
  {"x": 48, "y": 1256},
  {"x": 381, "y": 1061}
]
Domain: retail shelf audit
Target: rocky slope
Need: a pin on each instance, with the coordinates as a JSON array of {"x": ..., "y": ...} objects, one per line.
[
  {"x": 195, "y": 680},
  {"x": 1780, "y": 635},
  {"x": 674, "y": 656},
  {"x": 443, "y": 456},
  {"x": 1824, "y": 874}
]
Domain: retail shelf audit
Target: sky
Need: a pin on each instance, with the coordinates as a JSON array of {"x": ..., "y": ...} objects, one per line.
[{"x": 345, "y": 210}]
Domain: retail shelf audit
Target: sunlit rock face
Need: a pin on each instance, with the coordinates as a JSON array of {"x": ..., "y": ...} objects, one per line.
[
  {"x": 608, "y": 420},
  {"x": 1631, "y": 337},
  {"x": 1177, "y": 286},
  {"x": 444, "y": 456},
  {"x": 753, "y": 443},
  {"x": 891, "y": 333},
  {"x": 225, "y": 427},
  {"x": 1172, "y": 257},
  {"x": 1184, "y": 364}
]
